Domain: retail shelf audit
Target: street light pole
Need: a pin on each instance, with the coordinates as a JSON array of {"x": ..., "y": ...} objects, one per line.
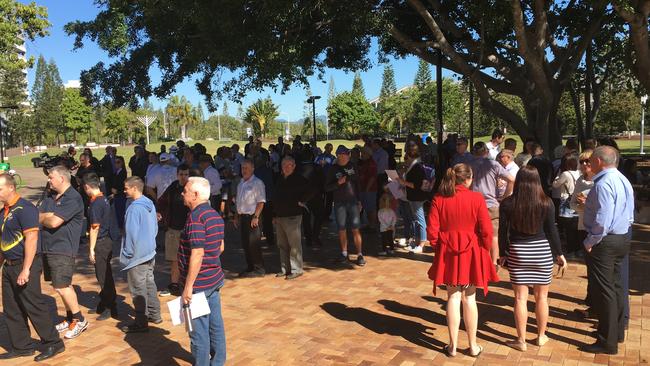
[
  {"x": 644, "y": 99},
  {"x": 312, "y": 100}
]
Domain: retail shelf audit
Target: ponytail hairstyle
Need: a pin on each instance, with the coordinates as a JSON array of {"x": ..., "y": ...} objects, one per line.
[{"x": 454, "y": 176}]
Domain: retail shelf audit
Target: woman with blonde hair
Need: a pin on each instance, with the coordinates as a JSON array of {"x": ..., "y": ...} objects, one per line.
[{"x": 461, "y": 232}]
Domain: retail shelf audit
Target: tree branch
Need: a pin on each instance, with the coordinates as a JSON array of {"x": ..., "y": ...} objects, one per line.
[{"x": 533, "y": 61}]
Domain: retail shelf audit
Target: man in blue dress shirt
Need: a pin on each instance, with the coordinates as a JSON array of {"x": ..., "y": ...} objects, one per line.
[{"x": 609, "y": 214}]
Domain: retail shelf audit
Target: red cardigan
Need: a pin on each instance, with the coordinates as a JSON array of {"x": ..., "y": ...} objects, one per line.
[{"x": 460, "y": 229}]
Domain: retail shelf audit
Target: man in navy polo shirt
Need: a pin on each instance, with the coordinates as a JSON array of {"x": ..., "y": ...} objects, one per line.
[
  {"x": 61, "y": 217},
  {"x": 200, "y": 268},
  {"x": 101, "y": 246},
  {"x": 21, "y": 285}
]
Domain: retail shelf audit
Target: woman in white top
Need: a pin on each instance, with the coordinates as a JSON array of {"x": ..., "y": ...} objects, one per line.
[
  {"x": 563, "y": 187},
  {"x": 582, "y": 187}
]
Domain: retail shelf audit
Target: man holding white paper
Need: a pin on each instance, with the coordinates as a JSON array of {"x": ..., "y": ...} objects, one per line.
[{"x": 200, "y": 247}]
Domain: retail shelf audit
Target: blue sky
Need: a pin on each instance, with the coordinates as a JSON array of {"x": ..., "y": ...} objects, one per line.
[{"x": 59, "y": 47}]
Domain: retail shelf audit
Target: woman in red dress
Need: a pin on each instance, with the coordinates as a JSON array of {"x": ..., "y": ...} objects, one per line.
[{"x": 461, "y": 231}]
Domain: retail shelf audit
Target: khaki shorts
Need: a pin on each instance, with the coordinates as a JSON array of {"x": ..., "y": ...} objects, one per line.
[
  {"x": 172, "y": 241},
  {"x": 494, "y": 217}
]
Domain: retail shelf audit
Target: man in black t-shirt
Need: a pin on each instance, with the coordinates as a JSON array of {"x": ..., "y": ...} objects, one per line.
[
  {"x": 62, "y": 218},
  {"x": 101, "y": 246},
  {"x": 343, "y": 181},
  {"x": 172, "y": 213},
  {"x": 22, "y": 298}
]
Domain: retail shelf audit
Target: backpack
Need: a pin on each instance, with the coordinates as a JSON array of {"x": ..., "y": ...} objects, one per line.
[{"x": 430, "y": 178}]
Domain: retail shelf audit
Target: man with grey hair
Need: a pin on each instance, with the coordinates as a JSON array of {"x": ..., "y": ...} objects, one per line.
[
  {"x": 506, "y": 158},
  {"x": 201, "y": 245},
  {"x": 61, "y": 217},
  {"x": 250, "y": 200},
  {"x": 290, "y": 193},
  {"x": 608, "y": 217},
  {"x": 138, "y": 254}
]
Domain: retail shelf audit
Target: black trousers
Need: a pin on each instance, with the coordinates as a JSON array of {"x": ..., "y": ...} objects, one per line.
[
  {"x": 21, "y": 303},
  {"x": 609, "y": 297},
  {"x": 215, "y": 202},
  {"x": 329, "y": 203},
  {"x": 250, "y": 242},
  {"x": 267, "y": 223},
  {"x": 104, "y": 273},
  {"x": 312, "y": 221}
]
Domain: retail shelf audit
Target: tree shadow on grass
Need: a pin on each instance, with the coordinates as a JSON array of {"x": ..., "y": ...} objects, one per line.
[{"x": 411, "y": 331}]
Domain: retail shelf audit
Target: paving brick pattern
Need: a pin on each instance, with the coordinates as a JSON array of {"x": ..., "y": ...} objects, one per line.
[{"x": 381, "y": 314}]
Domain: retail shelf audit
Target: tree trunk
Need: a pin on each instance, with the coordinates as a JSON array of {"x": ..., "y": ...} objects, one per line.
[
  {"x": 183, "y": 132},
  {"x": 580, "y": 128}
]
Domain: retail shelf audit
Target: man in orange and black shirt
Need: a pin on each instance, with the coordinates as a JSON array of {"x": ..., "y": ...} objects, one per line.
[
  {"x": 21, "y": 285},
  {"x": 101, "y": 246}
]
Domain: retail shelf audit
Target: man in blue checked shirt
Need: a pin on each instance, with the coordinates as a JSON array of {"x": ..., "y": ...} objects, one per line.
[{"x": 609, "y": 214}]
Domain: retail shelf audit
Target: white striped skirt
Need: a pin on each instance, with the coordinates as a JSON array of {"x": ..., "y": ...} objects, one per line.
[{"x": 530, "y": 262}]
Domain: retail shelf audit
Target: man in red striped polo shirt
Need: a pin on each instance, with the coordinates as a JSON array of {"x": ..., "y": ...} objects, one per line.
[{"x": 200, "y": 268}]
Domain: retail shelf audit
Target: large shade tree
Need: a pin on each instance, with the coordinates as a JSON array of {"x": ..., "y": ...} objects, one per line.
[{"x": 527, "y": 49}]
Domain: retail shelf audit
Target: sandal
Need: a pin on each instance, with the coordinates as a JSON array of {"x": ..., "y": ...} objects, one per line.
[
  {"x": 518, "y": 345},
  {"x": 447, "y": 352},
  {"x": 480, "y": 350}
]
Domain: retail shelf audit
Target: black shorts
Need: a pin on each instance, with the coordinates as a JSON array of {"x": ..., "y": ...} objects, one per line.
[{"x": 58, "y": 269}]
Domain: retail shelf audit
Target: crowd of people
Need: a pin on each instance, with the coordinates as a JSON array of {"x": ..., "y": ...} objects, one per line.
[{"x": 480, "y": 210}]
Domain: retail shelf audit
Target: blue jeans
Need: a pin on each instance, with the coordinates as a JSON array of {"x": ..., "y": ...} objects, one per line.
[
  {"x": 407, "y": 219},
  {"x": 417, "y": 209},
  {"x": 347, "y": 215},
  {"x": 208, "y": 337}
]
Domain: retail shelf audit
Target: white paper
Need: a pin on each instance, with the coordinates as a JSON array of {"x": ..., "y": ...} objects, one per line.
[
  {"x": 392, "y": 175},
  {"x": 198, "y": 306},
  {"x": 396, "y": 190}
]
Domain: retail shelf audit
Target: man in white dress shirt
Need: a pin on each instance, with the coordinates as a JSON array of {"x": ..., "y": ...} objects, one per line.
[
  {"x": 213, "y": 177},
  {"x": 250, "y": 199}
]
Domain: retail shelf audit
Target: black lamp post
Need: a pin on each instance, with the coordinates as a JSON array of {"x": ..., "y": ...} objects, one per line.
[{"x": 312, "y": 100}]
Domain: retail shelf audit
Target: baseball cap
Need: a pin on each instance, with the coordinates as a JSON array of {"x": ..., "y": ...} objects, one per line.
[
  {"x": 164, "y": 157},
  {"x": 342, "y": 150},
  {"x": 173, "y": 149}
]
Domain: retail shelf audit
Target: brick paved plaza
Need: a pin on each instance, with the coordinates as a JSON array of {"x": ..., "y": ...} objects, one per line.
[{"x": 383, "y": 314}]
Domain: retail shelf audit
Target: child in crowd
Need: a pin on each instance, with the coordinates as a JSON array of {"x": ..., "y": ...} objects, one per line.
[{"x": 387, "y": 220}]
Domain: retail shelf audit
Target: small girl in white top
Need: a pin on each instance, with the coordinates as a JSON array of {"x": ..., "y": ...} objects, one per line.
[{"x": 387, "y": 220}]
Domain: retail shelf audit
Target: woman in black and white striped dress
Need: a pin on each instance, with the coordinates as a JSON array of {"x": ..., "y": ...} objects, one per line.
[{"x": 528, "y": 243}]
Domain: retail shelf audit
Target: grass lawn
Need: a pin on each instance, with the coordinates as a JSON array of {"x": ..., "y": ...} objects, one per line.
[{"x": 17, "y": 162}]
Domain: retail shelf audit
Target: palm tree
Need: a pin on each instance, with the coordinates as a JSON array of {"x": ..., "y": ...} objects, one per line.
[
  {"x": 261, "y": 115},
  {"x": 181, "y": 113}
]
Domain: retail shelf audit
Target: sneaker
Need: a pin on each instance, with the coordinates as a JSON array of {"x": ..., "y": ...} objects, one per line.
[
  {"x": 76, "y": 328},
  {"x": 342, "y": 259},
  {"x": 174, "y": 289},
  {"x": 360, "y": 261},
  {"x": 104, "y": 315},
  {"x": 63, "y": 326},
  {"x": 164, "y": 293},
  {"x": 134, "y": 328},
  {"x": 382, "y": 253},
  {"x": 416, "y": 249},
  {"x": 154, "y": 320}
]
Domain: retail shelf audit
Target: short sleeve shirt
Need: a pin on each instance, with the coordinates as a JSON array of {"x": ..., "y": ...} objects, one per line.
[
  {"x": 99, "y": 215},
  {"x": 485, "y": 175},
  {"x": 64, "y": 239},
  {"x": 203, "y": 229},
  {"x": 17, "y": 219},
  {"x": 161, "y": 178},
  {"x": 249, "y": 194}
]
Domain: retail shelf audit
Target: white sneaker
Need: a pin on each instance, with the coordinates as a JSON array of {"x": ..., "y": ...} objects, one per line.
[
  {"x": 76, "y": 328},
  {"x": 63, "y": 326},
  {"x": 417, "y": 249}
]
